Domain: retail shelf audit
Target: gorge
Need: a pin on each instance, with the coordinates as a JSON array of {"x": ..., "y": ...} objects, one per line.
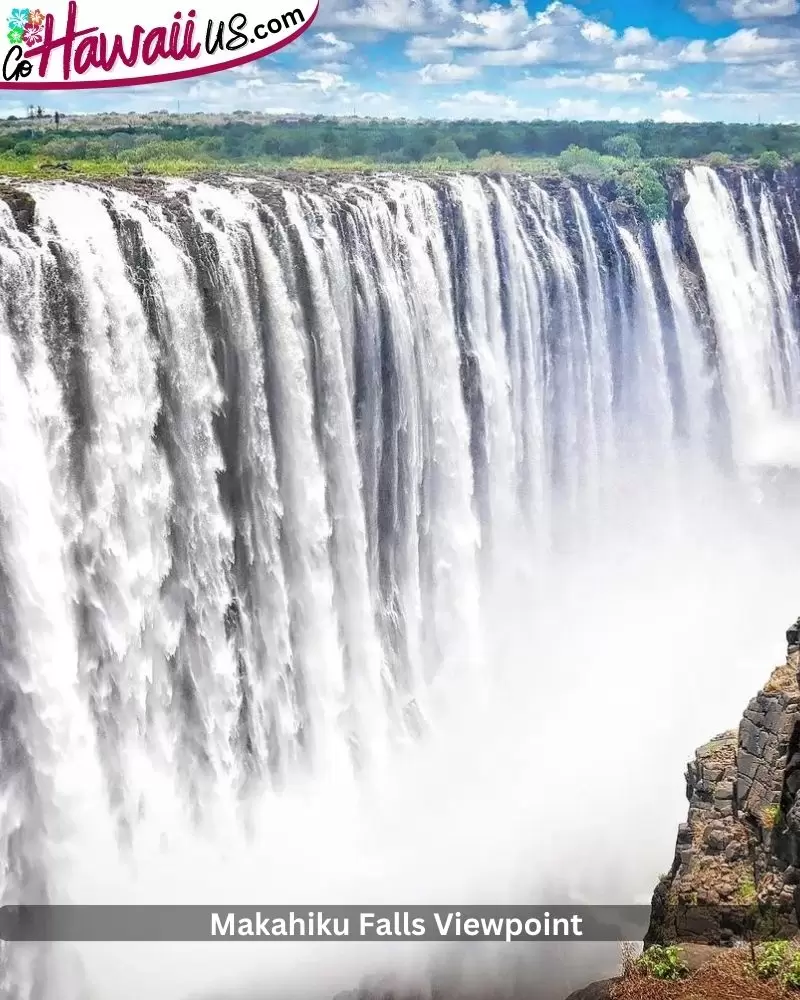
[{"x": 377, "y": 539}]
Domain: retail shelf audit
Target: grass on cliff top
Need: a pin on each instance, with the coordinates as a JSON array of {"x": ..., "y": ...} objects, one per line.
[
  {"x": 730, "y": 976},
  {"x": 42, "y": 168}
]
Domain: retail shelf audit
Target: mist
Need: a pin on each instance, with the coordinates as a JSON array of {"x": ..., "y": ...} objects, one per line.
[{"x": 555, "y": 777}]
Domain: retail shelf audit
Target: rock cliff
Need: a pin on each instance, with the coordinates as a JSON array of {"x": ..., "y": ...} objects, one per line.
[{"x": 736, "y": 872}]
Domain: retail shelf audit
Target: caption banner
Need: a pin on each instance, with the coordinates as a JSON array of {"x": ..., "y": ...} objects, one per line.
[{"x": 335, "y": 923}]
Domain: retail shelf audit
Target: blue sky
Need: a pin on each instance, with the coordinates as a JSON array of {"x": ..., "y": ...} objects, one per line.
[{"x": 670, "y": 60}]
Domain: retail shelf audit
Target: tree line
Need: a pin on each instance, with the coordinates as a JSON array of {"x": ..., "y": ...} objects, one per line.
[{"x": 396, "y": 141}]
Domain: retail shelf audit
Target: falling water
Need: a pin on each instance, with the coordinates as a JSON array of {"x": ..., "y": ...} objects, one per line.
[{"x": 298, "y": 486}]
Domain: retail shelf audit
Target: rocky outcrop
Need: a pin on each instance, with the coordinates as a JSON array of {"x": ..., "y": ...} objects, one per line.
[{"x": 736, "y": 872}]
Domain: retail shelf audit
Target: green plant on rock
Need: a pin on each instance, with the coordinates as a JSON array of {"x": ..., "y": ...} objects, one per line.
[
  {"x": 791, "y": 976},
  {"x": 770, "y": 160},
  {"x": 663, "y": 962},
  {"x": 645, "y": 188},
  {"x": 718, "y": 159},
  {"x": 771, "y": 817},
  {"x": 747, "y": 894},
  {"x": 771, "y": 959}
]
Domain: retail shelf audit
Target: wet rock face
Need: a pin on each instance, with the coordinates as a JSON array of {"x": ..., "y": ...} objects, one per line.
[
  {"x": 737, "y": 859},
  {"x": 22, "y": 205}
]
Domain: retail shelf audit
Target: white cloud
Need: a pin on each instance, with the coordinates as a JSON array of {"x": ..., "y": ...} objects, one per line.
[
  {"x": 532, "y": 54},
  {"x": 597, "y": 33},
  {"x": 495, "y": 28},
  {"x": 486, "y": 104},
  {"x": 500, "y": 107},
  {"x": 385, "y": 15},
  {"x": 608, "y": 82},
  {"x": 743, "y": 46},
  {"x": 675, "y": 94},
  {"x": 743, "y": 10},
  {"x": 560, "y": 34},
  {"x": 675, "y": 116},
  {"x": 636, "y": 38},
  {"x": 694, "y": 52},
  {"x": 590, "y": 109},
  {"x": 747, "y": 9},
  {"x": 639, "y": 62},
  {"x": 324, "y": 80},
  {"x": 447, "y": 73},
  {"x": 326, "y": 46}
]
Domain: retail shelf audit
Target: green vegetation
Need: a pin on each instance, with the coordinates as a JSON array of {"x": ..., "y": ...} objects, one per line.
[
  {"x": 634, "y": 159},
  {"x": 772, "y": 817},
  {"x": 246, "y": 137},
  {"x": 770, "y": 160},
  {"x": 624, "y": 146},
  {"x": 771, "y": 959},
  {"x": 717, "y": 159},
  {"x": 747, "y": 893},
  {"x": 664, "y": 963},
  {"x": 791, "y": 976},
  {"x": 646, "y": 188}
]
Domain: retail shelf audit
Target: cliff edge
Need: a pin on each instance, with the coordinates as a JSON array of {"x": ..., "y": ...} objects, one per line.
[{"x": 736, "y": 871}]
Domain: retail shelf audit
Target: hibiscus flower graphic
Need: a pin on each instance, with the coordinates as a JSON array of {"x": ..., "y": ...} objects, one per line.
[
  {"x": 15, "y": 36},
  {"x": 33, "y": 34},
  {"x": 36, "y": 18},
  {"x": 19, "y": 18}
]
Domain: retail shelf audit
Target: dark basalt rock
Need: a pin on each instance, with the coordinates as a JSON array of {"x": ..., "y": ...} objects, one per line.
[
  {"x": 22, "y": 205},
  {"x": 736, "y": 869},
  {"x": 603, "y": 990}
]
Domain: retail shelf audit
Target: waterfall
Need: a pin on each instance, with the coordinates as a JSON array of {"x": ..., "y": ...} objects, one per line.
[{"x": 299, "y": 479}]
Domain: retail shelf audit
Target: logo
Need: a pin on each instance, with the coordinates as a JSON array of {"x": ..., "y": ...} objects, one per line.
[{"x": 94, "y": 44}]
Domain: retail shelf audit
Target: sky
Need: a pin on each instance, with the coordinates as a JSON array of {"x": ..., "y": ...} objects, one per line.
[{"x": 669, "y": 60}]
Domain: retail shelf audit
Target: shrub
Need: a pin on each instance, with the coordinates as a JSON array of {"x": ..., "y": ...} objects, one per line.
[
  {"x": 495, "y": 163},
  {"x": 445, "y": 149},
  {"x": 644, "y": 185},
  {"x": 791, "y": 977},
  {"x": 747, "y": 894},
  {"x": 623, "y": 146},
  {"x": 771, "y": 817},
  {"x": 663, "y": 164},
  {"x": 662, "y": 962},
  {"x": 769, "y": 160},
  {"x": 718, "y": 159},
  {"x": 586, "y": 164},
  {"x": 771, "y": 959}
]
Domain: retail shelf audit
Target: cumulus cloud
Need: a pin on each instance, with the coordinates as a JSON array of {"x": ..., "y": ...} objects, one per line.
[
  {"x": 675, "y": 94},
  {"x": 446, "y": 73},
  {"x": 487, "y": 104},
  {"x": 501, "y": 107},
  {"x": 743, "y": 10},
  {"x": 608, "y": 82},
  {"x": 561, "y": 34},
  {"x": 643, "y": 62},
  {"x": 743, "y": 46},
  {"x": 386, "y": 15},
  {"x": 325, "y": 46},
  {"x": 324, "y": 80}
]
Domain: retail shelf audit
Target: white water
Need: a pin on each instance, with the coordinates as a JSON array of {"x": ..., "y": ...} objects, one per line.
[{"x": 374, "y": 546}]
